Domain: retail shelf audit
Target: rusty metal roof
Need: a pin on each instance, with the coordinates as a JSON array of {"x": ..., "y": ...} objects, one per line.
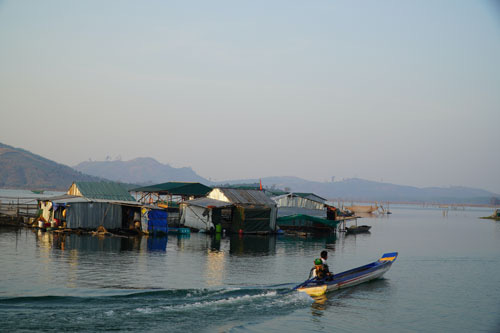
[{"x": 252, "y": 197}]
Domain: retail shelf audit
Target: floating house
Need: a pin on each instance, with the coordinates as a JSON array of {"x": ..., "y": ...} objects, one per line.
[
  {"x": 74, "y": 212},
  {"x": 300, "y": 203},
  {"x": 253, "y": 211},
  {"x": 89, "y": 205},
  {"x": 205, "y": 214},
  {"x": 297, "y": 203},
  {"x": 305, "y": 212},
  {"x": 169, "y": 195}
]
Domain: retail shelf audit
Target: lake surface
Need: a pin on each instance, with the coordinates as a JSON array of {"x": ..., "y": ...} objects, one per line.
[
  {"x": 24, "y": 196},
  {"x": 446, "y": 279}
]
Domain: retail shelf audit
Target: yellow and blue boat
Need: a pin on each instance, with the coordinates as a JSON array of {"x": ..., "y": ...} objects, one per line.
[{"x": 355, "y": 276}]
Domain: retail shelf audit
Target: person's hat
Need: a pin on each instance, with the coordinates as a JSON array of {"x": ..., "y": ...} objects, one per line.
[{"x": 318, "y": 262}]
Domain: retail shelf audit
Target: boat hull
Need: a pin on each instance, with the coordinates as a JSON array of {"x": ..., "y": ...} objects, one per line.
[
  {"x": 362, "y": 209},
  {"x": 349, "y": 278},
  {"x": 358, "y": 229}
]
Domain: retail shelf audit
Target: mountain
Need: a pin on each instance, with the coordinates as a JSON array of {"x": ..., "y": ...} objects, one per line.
[
  {"x": 142, "y": 170},
  {"x": 22, "y": 169},
  {"x": 365, "y": 190},
  {"x": 150, "y": 171}
]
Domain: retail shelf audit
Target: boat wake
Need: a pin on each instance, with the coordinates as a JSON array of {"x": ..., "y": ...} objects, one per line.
[{"x": 182, "y": 308}]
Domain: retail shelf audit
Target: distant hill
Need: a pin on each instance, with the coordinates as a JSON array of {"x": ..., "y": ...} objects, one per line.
[
  {"x": 139, "y": 171},
  {"x": 365, "y": 190},
  {"x": 22, "y": 169}
]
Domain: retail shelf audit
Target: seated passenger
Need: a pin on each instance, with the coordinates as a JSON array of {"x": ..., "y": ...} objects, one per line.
[{"x": 318, "y": 271}]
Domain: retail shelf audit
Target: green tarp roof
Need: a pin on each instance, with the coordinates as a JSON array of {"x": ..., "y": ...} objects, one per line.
[
  {"x": 104, "y": 190},
  {"x": 176, "y": 188}
]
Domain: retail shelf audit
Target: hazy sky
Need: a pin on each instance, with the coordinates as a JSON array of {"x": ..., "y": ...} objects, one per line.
[{"x": 406, "y": 92}]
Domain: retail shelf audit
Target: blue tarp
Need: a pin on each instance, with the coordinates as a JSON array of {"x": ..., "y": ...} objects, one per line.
[{"x": 157, "y": 221}]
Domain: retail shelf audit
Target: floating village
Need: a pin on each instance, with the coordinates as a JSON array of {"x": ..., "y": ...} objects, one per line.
[{"x": 108, "y": 208}]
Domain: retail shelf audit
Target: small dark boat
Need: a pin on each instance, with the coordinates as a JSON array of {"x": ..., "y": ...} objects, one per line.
[
  {"x": 374, "y": 270},
  {"x": 358, "y": 229}
]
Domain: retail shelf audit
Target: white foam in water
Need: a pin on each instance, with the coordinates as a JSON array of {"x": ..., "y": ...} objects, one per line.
[
  {"x": 144, "y": 310},
  {"x": 294, "y": 297},
  {"x": 302, "y": 296},
  {"x": 109, "y": 313},
  {"x": 229, "y": 300}
]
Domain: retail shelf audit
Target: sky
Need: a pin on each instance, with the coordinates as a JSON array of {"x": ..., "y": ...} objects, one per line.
[{"x": 406, "y": 92}]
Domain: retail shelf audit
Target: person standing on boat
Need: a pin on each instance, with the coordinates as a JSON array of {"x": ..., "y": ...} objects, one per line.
[{"x": 326, "y": 269}]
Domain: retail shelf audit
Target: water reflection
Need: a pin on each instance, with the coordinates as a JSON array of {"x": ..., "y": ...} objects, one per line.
[
  {"x": 353, "y": 234},
  {"x": 89, "y": 243},
  {"x": 235, "y": 244},
  {"x": 181, "y": 240},
  {"x": 318, "y": 237},
  {"x": 338, "y": 297},
  {"x": 215, "y": 242},
  {"x": 319, "y": 305},
  {"x": 252, "y": 244},
  {"x": 290, "y": 243},
  {"x": 215, "y": 268},
  {"x": 157, "y": 244}
]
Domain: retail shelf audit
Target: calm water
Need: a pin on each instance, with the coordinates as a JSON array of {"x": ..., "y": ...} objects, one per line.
[
  {"x": 24, "y": 196},
  {"x": 446, "y": 279}
]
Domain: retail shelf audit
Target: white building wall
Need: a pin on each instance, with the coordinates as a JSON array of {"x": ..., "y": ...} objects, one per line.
[
  {"x": 217, "y": 194},
  {"x": 192, "y": 217}
]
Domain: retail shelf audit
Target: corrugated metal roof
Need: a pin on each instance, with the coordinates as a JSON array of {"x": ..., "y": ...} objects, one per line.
[
  {"x": 253, "y": 197},
  {"x": 61, "y": 198},
  {"x": 104, "y": 190},
  {"x": 66, "y": 198},
  {"x": 295, "y": 201},
  {"x": 176, "y": 188},
  {"x": 310, "y": 196},
  {"x": 73, "y": 199},
  {"x": 205, "y": 202}
]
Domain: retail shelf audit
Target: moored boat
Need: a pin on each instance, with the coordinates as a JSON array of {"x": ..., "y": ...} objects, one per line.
[
  {"x": 355, "y": 276},
  {"x": 358, "y": 229},
  {"x": 362, "y": 209},
  {"x": 495, "y": 216}
]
